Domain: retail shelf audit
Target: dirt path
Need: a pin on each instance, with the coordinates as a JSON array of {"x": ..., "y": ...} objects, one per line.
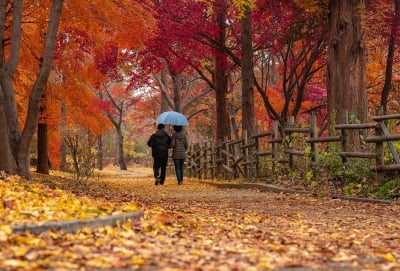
[{"x": 199, "y": 227}]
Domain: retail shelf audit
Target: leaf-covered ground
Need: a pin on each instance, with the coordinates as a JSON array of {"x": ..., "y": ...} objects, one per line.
[{"x": 192, "y": 227}]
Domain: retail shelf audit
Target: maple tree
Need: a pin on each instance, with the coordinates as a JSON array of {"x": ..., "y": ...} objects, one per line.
[
  {"x": 382, "y": 27},
  {"x": 292, "y": 65},
  {"x": 299, "y": 50},
  {"x": 19, "y": 141},
  {"x": 182, "y": 43},
  {"x": 116, "y": 94},
  {"x": 84, "y": 62}
]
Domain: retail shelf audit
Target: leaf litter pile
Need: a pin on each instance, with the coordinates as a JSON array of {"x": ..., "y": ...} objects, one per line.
[{"x": 192, "y": 226}]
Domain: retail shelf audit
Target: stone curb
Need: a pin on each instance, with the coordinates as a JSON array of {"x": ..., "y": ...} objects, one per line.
[
  {"x": 261, "y": 187},
  {"x": 72, "y": 226},
  {"x": 366, "y": 200},
  {"x": 276, "y": 189}
]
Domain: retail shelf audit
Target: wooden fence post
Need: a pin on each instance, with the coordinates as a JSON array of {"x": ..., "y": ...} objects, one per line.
[
  {"x": 313, "y": 134},
  {"x": 188, "y": 162},
  {"x": 219, "y": 159},
  {"x": 206, "y": 161},
  {"x": 380, "y": 151},
  {"x": 212, "y": 160},
  {"x": 344, "y": 135},
  {"x": 257, "y": 151},
  {"x": 288, "y": 140},
  {"x": 275, "y": 133},
  {"x": 227, "y": 158},
  {"x": 245, "y": 152},
  {"x": 198, "y": 162}
]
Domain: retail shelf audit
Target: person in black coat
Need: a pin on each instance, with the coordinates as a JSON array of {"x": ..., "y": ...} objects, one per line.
[{"x": 159, "y": 143}]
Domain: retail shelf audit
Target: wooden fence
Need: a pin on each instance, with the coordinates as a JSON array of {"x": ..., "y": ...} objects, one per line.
[{"x": 245, "y": 157}]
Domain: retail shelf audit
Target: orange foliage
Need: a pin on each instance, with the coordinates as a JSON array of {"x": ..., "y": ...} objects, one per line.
[{"x": 87, "y": 26}]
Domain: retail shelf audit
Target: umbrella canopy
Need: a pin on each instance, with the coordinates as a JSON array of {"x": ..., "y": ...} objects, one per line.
[{"x": 172, "y": 117}]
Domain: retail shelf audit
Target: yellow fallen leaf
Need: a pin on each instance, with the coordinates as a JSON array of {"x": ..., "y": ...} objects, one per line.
[
  {"x": 389, "y": 257},
  {"x": 16, "y": 263},
  {"x": 264, "y": 266},
  {"x": 21, "y": 251},
  {"x": 5, "y": 230},
  {"x": 137, "y": 261}
]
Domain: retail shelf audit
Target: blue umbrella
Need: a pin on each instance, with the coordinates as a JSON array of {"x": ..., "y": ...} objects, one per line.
[{"x": 172, "y": 117}]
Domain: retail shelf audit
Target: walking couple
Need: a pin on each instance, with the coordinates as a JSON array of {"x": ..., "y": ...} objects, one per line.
[{"x": 160, "y": 142}]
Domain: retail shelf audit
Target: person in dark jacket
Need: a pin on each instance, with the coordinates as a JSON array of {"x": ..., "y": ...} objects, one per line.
[
  {"x": 159, "y": 143},
  {"x": 179, "y": 145}
]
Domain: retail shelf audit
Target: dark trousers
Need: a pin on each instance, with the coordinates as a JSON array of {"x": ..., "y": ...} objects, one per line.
[
  {"x": 178, "y": 163},
  {"x": 160, "y": 163}
]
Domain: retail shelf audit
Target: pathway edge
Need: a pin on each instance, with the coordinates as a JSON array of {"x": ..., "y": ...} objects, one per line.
[
  {"x": 71, "y": 226},
  {"x": 276, "y": 189}
]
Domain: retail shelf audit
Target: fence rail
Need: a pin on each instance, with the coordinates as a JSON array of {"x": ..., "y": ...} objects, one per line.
[{"x": 245, "y": 157}]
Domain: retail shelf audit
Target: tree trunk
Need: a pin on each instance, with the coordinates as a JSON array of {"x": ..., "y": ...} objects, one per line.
[
  {"x": 390, "y": 54},
  {"x": 117, "y": 149},
  {"x": 346, "y": 63},
  {"x": 42, "y": 140},
  {"x": 164, "y": 98},
  {"x": 220, "y": 74},
  {"x": 7, "y": 71},
  {"x": 37, "y": 91},
  {"x": 120, "y": 146},
  {"x": 99, "y": 155},
  {"x": 20, "y": 143},
  {"x": 176, "y": 87},
  {"x": 63, "y": 148},
  {"x": 6, "y": 161},
  {"x": 43, "y": 158},
  {"x": 247, "y": 73}
]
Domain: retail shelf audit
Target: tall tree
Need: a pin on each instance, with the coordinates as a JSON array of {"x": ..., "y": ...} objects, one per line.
[
  {"x": 187, "y": 41},
  {"x": 20, "y": 142},
  {"x": 247, "y": 71},
  {"x": 221, "y": 72},
  {"x": 393, "y": 37},
  {"x": 7, "y": 164},
  {"x": 346, "y": 65},
  {"x": 96, "y": 48},
  {"x": 42, "y": 142}
]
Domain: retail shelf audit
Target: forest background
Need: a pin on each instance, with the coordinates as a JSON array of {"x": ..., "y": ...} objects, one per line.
[{"x": 80, "y": 78}]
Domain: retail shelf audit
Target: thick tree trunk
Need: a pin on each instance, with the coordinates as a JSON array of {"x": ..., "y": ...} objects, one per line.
[
  {"x": 247, "y": 73},
  {"x": 7, "y": 70},
  {"x": 6, "y": 162},
  {"x": 346, "y": 62},
  {"x": 220, "y": 74},
  {"x": 20, "y": 143},
  {"x": 37, "y": 91}
]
